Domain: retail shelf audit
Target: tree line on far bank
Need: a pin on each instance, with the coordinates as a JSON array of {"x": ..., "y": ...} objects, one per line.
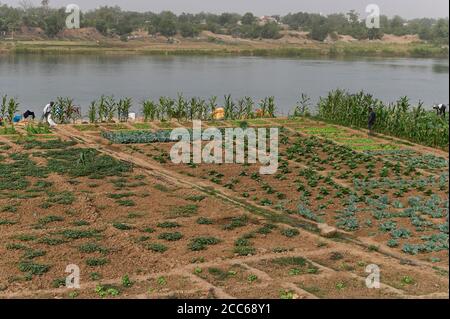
[{"x": 113, "y": 21}]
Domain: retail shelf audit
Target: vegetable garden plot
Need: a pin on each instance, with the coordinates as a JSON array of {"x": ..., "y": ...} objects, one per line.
[
  {"x": 336, "y": 286},
  {"x": 38, "y": 129},
  {"x": 271, "y": 290},
  {"x": 231, "y": 277},
  {"x": 123, "y": 216},
  {"x": 356, "y": 141},
  {"x": 323, "y": 130},
  {"x": 376, "y": 200},
  {"x": 374, "y": 147},
  {"x": 138, "y": 137},
  {"x": 87, "y": 128},
  {"x": 400, "y": 277},
  {"x": 398, "y": 119},
  {"x": 146, "y": 136},
  {"x": 7, "y": 130},
  {"x": 291, "y": 267},
  {"x": 100, "y": 126},
  {"x": 410, "y": 158},
  {"x": 287, "y": 122},
  {"x": 101, "y": 213},
  {"x": 142, "y": 126},
  {"x": 244, "y": 179}
]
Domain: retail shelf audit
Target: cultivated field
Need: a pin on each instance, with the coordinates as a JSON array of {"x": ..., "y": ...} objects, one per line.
[{"x": 139, "y": 226}]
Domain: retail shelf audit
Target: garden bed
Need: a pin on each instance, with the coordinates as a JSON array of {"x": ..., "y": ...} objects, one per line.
[{"x": 134, "y": 234}]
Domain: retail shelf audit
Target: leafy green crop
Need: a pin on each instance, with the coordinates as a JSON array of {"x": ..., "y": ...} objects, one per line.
[{"x": 200, "y": 243}]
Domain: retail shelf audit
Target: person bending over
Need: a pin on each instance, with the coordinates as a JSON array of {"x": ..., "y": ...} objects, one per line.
[
  {"x": 28, "y": 114},
  {"x": 372, "y": 120},
  {"x": 48, "y": 114}
]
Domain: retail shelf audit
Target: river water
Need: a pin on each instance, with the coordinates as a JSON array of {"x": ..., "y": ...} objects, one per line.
[{"x": 37, "y": 79}]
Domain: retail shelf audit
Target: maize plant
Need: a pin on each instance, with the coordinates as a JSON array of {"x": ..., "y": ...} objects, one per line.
[
  {"x": 248, "y": 107},
  {"x": 229, "y": 107},
  {"x": 271, "y": 108},
  {"x": 73, "y": 113},
  {"x": 240, "y": 109},
  {"x": 58, "y": 110},
  {"x": 180, "y": 108},
  {"x": 4, "y": 106},
  {"x": 192, "y": 109},
  {"x": 92, "y": 112},
  {"x": 123, "y": 109},
  {"x": 202, "y": 109},
  {"x": 12, "y": 108},
  {"x": 166, "y": 108},
  {"x": 102, "y": 111},
  {"x": 267, "y": 107},
  {"x": 197, "y": 109},
  {"x": 398, "y": 119},
  {"x": 212, "y": 105},
  {"x": 302, "y": 106},
  {"x": 150, "y": 110},
  {"x": 110, "y": 108}
]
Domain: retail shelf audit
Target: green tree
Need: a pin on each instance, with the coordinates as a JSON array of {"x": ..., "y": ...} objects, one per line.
[
  {"x": 188, "y": 30},
  {"x": 54, "y": 23},
  {"x": 397, "y": 26},
  {"x": 439, "y": 32},
  {"x": 248, "y": 18},
  {"x": 167, "y": 24},
  {"x": 319, "y": 30},
  {"x": 375, "y": 34},
  {"x": 270, "y": 31},
  {"x": 101, "y": 27},
  {"x": 228, "y": 19}
]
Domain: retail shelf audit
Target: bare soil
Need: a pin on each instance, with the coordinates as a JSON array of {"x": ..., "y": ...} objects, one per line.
[{"x": 132, "y": 234}]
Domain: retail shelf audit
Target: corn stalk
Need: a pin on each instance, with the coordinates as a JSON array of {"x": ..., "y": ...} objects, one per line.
[
  {"x": 149, "y": 110},
  {"x": 92, "y": 112},
  {"x": 123, "y": 109},
  {"x": 12, "y": 108},
  {"x": 398, "y": 119}
]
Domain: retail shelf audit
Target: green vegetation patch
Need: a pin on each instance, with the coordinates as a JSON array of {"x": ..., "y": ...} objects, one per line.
[
  {"x": 171, "y": 236},
  {"x": 79, "y": 234},
  {"x": 78, "y": 162},
  {"x": 201, "y": 243},
  {"x": 183, "y": 211},
  {"x": 157, "y": 248},
  {"x": 237, "y": 222}
]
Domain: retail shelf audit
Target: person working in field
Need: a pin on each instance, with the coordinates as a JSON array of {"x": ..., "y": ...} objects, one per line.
[
  {"x": 48, "y": 114},
  {"x": 372, "y": 120},
  {"x": 29, "y": 114}
]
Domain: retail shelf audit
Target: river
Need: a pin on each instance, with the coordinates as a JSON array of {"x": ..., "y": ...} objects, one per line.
[{"x": 37, "y": 79}]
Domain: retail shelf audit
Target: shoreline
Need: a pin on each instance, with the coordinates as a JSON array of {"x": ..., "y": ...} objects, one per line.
[{"x": 326, "y": 50}]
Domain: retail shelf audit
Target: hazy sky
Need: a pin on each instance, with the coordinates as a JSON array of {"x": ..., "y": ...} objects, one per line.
[{"x": 405, "y": 8}]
